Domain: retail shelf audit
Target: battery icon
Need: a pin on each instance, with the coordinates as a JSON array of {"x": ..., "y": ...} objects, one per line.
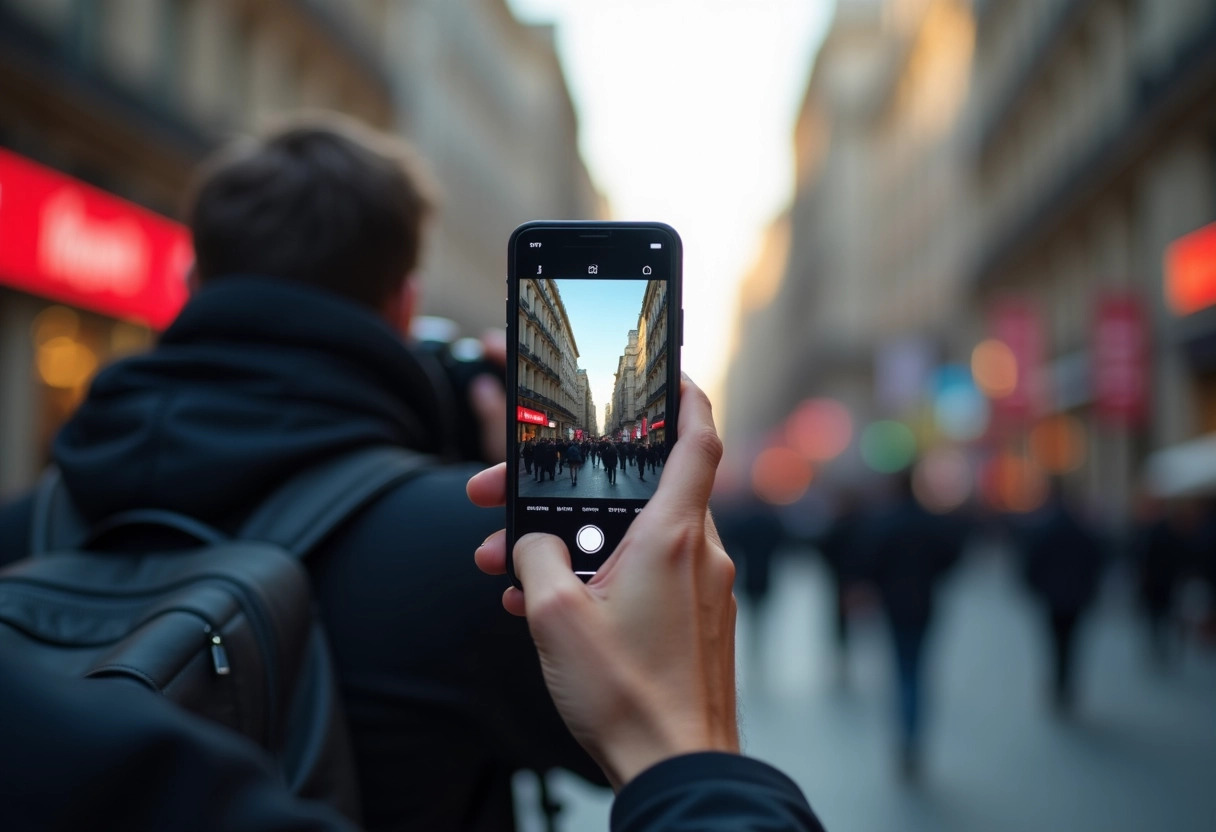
[{"x": 656, "y": 245}]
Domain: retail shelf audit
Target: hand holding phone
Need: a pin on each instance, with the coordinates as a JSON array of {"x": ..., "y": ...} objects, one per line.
[
  {"x": 594, "y": 325},
  {"x": 640, "y": 660}
]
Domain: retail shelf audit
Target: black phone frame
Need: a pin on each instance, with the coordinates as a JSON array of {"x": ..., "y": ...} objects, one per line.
[{"x": 590, "y": 234}]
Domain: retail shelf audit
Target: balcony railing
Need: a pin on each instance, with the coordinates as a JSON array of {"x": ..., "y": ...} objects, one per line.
[
  {"x": 658, "y": 356},
  {"x": 658, "y": 393}
]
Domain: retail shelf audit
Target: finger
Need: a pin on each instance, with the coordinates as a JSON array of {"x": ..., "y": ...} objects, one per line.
[
  {"x": 491, "y": 555},
  {"x": 489, "y": 401},
  {"x": 488, "y": 488},
  {"x": 542, "y": 563},
  {"x": 688, "y": 477},
  {"x": 513, "y": 601},
  {"x": 494, "y": 343}
]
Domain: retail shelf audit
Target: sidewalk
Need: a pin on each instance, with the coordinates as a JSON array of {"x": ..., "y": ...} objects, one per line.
[{"x": 1140, "y": 754}]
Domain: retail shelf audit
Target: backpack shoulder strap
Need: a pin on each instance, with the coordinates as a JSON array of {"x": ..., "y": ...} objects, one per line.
[
  {"x": 56, "y": 524},
  {"x": 301, "y": 513}
]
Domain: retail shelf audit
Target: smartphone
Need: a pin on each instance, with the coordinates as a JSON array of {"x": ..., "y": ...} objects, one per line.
[{"x": 594, "y": 329}]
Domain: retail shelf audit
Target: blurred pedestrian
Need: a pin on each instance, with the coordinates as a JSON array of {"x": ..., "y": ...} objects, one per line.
[
  {"x": 840, "y": 548},
  {"x": 752, "y": 533},
  {"x": 1063, "y": 562},
  {"x": 1165, "y": 547},
  {"x": 904, "y": 553},
  {"x": 643, "y": 455}
]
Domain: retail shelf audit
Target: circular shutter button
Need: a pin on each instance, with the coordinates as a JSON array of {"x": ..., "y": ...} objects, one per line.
[{"x": 590, "y": 539}]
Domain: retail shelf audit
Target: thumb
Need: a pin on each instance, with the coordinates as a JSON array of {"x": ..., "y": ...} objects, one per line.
[{"x": 542, "y": 563}]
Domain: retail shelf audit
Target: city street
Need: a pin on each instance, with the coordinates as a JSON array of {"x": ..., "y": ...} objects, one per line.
[
  {"x": 593, "y": 482},
  {"x": 1138, "y": 756}
]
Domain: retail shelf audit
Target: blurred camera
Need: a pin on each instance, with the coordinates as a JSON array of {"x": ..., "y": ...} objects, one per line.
[{"x": 459, "y": 361}]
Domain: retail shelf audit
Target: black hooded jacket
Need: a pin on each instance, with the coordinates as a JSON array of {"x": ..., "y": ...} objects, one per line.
[{"x": 259, "y": 379}]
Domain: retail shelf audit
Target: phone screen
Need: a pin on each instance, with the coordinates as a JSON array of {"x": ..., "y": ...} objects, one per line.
[{"x": 595, "y": 323}]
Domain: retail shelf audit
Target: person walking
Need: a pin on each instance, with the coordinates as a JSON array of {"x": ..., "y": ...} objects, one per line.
[
  {"x": 527, "y": 452},
  {"x": 548, "y": 459},
  {"x": 1063, "y": 563},
  {"x": 839, "y": 546},
  {"x": 609, "y": 456},
  {"x": 574, "y": 461},
  {"x": 642, "y": 456},
  {"x": 906, "y": 553}
]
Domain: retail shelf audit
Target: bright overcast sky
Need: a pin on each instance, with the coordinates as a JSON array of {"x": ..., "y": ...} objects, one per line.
[{"x": 686, "y": 113}]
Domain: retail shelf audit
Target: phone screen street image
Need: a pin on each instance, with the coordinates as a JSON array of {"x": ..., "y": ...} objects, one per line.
[{"x": 583, "y": 341}]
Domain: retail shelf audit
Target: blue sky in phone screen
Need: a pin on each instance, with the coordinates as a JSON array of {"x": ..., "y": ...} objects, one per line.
[{"x": 601, "y": 313}]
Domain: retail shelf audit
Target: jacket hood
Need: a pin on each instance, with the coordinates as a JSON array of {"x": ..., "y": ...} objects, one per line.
[{"x": 256, "y": 380}]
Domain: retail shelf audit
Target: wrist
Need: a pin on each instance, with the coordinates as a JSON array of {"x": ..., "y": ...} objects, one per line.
[{"x": 633, "y": 751}]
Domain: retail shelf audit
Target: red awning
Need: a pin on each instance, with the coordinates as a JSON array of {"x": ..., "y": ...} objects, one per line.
[
  {"x": 71, "y": 242},
  {"x": 532, "y": 417}
]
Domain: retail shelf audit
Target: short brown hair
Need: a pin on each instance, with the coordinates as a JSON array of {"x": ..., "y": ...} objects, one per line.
[{"x": 321, "y": 200}]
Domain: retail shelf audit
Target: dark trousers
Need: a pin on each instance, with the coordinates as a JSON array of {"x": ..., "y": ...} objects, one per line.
[
  {"x": 1063, "y": 652},
  {"x": 909, "y": 644}
]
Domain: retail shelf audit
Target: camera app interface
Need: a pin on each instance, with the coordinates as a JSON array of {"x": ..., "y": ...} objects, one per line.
[{"x": 591, "y": 416}]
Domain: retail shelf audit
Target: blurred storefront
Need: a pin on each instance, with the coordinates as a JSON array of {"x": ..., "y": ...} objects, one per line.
[{"x": 84, "y": 278}]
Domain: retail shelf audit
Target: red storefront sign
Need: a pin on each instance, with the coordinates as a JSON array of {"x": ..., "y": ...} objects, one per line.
[
  {"x": 1190, "y": 272},
  {"x": 1120, "y": 360},
  {"x": 67, "y": 241},
  {"x": 659, "y": 424},
  {"x": 532, "y": 417},
  {"x": 1016, "y": 322}
]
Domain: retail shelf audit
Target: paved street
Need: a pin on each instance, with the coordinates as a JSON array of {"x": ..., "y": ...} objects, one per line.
[
  {"x": 592, "y": 482},
  {"x": 1139, "y": 756}
]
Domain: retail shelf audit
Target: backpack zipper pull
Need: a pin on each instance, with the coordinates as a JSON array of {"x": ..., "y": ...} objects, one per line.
[{"x": 219, "y": 656}]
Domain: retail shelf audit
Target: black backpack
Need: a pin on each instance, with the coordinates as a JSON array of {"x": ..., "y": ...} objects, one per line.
[{"x": 222, "y": 626}]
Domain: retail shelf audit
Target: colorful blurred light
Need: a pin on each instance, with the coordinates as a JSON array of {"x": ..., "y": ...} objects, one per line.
[
  {"x": 819, "y": 429},
  {"x": 65, "y": 363},
  {"x": 942, "y": 480},
  {"x": 1014, "y": 483},
  {"x": 888, "y": 446},
  {"x": 1058, "y": 442},
  {"x": 994, "y": 368},
  {"x": 781, "y": 476},
  {"x": 960, "y": 410},
  {"x": 54, "y": 322}
]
